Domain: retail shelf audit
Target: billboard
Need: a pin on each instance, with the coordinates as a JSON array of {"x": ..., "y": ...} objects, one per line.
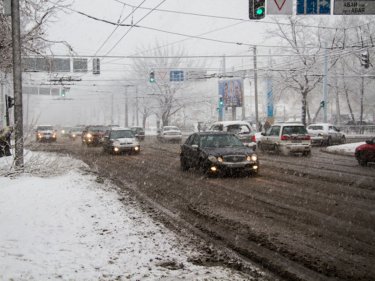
[{"x": 232, "y": 92}]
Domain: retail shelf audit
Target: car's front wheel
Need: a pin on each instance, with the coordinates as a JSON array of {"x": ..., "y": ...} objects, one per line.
[{"x": 361, "y": 159}]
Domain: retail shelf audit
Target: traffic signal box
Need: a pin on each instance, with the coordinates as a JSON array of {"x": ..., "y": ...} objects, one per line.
[
  {"x": 152, "y": 77},
  {"x": 365, "y": 59},
  {"x": 257, "y": 9}
]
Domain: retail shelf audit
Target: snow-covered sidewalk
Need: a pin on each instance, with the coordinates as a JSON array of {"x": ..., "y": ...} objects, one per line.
[{"x": 58, "y": 223}]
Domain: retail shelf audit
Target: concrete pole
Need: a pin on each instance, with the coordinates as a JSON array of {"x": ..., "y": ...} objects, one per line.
[
  {"x": 256, "y": 85},
  {"x": 17, "y": 84},
  {"x": 2, "y": 113},
  {"x": 325, "y": 86}
]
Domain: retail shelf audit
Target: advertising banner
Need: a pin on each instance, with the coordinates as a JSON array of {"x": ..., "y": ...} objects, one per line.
[{"x": 232, "y": 92}]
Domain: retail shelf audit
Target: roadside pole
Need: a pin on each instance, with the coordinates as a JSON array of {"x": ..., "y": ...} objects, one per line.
[
  {"x": 256, "y": 85},
  {"x": 17, "y": 84},
  {"x": 325, "y": 85}
]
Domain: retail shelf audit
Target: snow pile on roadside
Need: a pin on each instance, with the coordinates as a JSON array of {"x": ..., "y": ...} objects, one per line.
[
  {"x": 70, "y": 227},
  {"x": 41, "y": 164},
  {"x": 347, "y": 149}
]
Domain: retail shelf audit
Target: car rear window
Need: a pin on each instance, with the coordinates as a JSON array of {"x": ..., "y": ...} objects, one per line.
[
  {"x": 44, "y": 128},
  {"x": 98, "y": 129},
  {"x": 315, "y": 127},
  {"x": 294, "y": 130},
  {"x": 171, "y": 129}
]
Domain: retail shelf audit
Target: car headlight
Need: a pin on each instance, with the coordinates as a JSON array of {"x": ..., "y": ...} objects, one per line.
[
  {"x": 116, "y": 143},
  {"x": 89, "y": 135},
  {"x": 220, "y": 159},
  {"x": 253, "y": 158},
  {"x": 212, "y": 158},
  {"x": 136, "y": 148},
  {"x": 74, "y": 135}
]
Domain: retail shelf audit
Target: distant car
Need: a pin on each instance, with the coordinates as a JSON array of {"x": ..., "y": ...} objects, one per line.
[
  {"x": 92, "y": 135},
  {"x": 218, "y": 152},
  {"x": 45, "y": 133},
  {"x": 242, "y": 129},
  {"x": 120, "y": 140},
  {"x": 64, "y": 132},
  {"x": 170, "y": 134},
  {"x": 325, "y": 134},
  {"x": 286, "y": 138},
  {"x": 75, "y": 133},
  {"x": 139, "y": 132},
  {"x": 365, "y": 153}
]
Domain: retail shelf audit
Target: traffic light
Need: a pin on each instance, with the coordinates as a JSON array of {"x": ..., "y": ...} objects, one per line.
[
  {"x": 365, "y": 59},
  {"x": 221, "y": 102},
  {"x": 9, "y": 101},
  {"x": 152, "y": 76},
  {"x": 322, "y": 103},
  {"x": 257, "y": 9},
  {"x": 62, "y": 94}
]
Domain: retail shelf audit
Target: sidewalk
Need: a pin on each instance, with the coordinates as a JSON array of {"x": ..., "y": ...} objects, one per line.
[{"x": 59, "y": 222}]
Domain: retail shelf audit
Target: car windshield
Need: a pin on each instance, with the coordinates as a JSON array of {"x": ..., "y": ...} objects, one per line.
[
  {"x": 220, "y": 141},
  {"x": 119, "y": 134},
  {"x": 76, "y": 129},
  {"x": 44, "y": 128},
  {"x": 171, "y": 128},
  {"x": 294, "y": 130},
  {"x": 98, "y": 129}
]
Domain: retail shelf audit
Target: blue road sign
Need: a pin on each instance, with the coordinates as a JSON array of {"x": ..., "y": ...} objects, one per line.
[
  {"x": 313, "y": 7},
  {"x": 176, "y": 75}
]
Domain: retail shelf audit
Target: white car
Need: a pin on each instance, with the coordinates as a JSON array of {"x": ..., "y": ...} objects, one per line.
[
  {"x": 325, "y": 134},
  {"x": 241, "y": 129},
  {"x": 286, "y": 138},
  {"x": 170, "y": 134}
]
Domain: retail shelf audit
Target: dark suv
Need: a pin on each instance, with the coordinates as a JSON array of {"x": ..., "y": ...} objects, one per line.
[{"x": 92, "y": 135}]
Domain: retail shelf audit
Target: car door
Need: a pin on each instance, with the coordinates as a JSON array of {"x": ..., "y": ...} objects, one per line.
[
  {"x": 186, "y": 149},
  {"x": 272, "y": 137},
  {"x": 333, "y": 134},
  {"x": 194, "y": 151}
]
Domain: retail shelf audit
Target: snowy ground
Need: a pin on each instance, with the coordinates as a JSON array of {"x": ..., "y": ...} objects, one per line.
[{"x": 59, "y": 223}]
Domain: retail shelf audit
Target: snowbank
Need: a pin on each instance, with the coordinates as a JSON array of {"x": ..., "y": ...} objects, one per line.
[{"x": 57, "y": 223}]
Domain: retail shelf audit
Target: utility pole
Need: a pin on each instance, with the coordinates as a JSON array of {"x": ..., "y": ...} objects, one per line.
[
  {"x": 2, "y": 114},
  {"x": 112, "y": 109},
  {"x": 17, "y": 84},
  {"x": 256, "y": 86},
  {"x": 325, "y": 86},
  {"x": 136, "y": 106}
]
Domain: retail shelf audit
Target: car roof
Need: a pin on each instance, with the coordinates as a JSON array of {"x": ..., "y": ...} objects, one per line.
[
  {"x": 210, "y": 133},
  {"x": 120, "y": 129},
  {"x": 321, "y": 124},
  {"x": 228, "y": 123},
  {"x": 288, "y": 124}
]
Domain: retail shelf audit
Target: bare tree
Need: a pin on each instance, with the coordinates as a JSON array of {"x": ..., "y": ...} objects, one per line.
[
  {"x": 35, "y": 14},
  {"x": 307, "y": 58},
  {"x": 161, "y": 60}
]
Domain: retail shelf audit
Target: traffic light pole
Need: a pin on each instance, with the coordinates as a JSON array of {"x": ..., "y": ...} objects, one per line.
[{"x": 17, "y": 84}]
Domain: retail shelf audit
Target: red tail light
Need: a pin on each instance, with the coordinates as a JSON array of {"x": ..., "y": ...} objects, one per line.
[
  {"x": 285, "y": 138},
  {"x": 307, "y": 137},
  {"x": 253, "y": 138}
]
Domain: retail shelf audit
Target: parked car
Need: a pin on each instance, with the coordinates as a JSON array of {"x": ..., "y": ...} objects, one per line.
[
  {"x": 120, "y": 140},
  {"x": 92, "y": 135},
  {"x": 45, "y": 133},
  {"x": 170, "y": 134},
  {"x": 365, "y": 153},
  {"x": 325, "y": 134},
  {"x": 286, "y": 138},
  {"x": 242, "y": 129},
  {"x": 218, "y": 152},
  {"x": 75, "y": 132},
  {"x": 139, "y": 132}
]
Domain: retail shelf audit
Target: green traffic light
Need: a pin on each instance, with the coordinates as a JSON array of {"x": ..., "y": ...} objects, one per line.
[{"x": 260, "y": 11}]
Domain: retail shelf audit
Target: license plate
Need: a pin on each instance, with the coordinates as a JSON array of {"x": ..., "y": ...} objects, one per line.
[{"x": 296, "y": 141}]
